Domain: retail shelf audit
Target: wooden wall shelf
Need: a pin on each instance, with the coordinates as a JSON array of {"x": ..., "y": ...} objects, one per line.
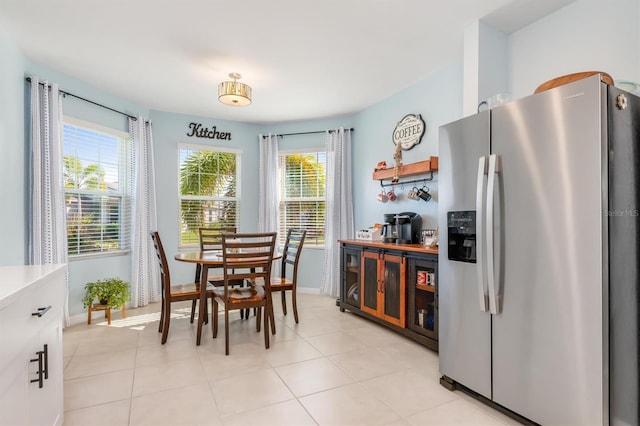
[{"x": 412, "y": 169}]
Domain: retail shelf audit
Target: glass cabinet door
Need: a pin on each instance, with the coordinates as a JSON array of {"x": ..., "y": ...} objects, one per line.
[
  {"x": 370, "y": 288},
  {"x": 393, "y": 289},
  {"x": 350, "y": 291},
  {"x": 383, "y": 286},
  {"x": 423, "y": 296}
]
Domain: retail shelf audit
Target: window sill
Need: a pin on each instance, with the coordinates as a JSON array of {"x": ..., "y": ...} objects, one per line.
[{"x": 90, "y": 256}]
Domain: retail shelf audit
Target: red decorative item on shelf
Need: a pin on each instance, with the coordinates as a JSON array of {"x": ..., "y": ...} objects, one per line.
[{"x": 422, "y": 278}]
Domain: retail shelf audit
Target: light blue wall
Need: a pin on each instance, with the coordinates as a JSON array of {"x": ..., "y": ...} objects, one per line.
[
  {"x": 438, "y": 98},
  {"x": 15, "y": 155},
  {"x": 84, "y": 110},
  {"x": 169, "y": 130}
]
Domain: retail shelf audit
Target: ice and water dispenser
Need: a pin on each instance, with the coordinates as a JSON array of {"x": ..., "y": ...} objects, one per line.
[{"x": 461, "y": 232}]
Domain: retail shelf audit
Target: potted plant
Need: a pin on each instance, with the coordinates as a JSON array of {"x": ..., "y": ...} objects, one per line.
[{"x": 112, "y": 292}]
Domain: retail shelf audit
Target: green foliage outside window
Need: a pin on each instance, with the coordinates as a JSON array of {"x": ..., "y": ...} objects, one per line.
[
  {"x": 208, "y": 195},
  {"x": 95, "y": 177},
  {"x": 303, "y": 186}
]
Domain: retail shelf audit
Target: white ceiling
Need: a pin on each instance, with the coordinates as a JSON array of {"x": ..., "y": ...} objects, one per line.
[{"x": 304, "y": 59}]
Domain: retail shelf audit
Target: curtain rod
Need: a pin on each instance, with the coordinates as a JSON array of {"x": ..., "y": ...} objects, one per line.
[
  {"x": 90, "y": 101},
  {"x": 308, "y": 133}
]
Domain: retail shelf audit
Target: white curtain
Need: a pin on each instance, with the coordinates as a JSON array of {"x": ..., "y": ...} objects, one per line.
[
  {"x": 339, "y": 205},
  {"x": 145, "y": 283},
  {"x": 269, "y": 191},
  {"x": 48, "y": 233}
]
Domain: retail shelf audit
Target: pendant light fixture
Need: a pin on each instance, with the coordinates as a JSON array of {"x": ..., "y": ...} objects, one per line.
[{"x": 234, "y": 93}]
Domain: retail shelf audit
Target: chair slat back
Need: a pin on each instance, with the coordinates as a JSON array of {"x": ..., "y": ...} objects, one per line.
[
  {"x": 162, "y": 261},
  {"x": 292, "y": 250},
  {"x": 211, "y": 238},
  {"x": 248, "y": 256}
]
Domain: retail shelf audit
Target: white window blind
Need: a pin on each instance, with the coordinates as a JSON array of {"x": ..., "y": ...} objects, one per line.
[
  {"x": 302, "y": 193},
  {"x": 96, "y": 179},
  {"x": 208, "y": 190}
]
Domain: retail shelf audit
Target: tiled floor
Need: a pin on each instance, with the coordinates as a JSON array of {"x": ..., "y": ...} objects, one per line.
[{"x": 331, "y": 369}]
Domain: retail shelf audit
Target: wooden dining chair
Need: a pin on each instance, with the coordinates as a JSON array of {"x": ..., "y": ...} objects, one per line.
[
  {"x": 171, "y": 293},
  {"x": 290, "y": 258},
  {"x": 245, "y": 256},
  {"x": 211, "y": 240}
]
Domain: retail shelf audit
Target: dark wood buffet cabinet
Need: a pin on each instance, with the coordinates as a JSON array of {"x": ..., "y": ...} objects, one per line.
[{"x": 393, "y": 284}]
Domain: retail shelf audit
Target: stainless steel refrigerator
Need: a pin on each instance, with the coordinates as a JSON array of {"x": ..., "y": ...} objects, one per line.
[{"x": 539, "y": 255}]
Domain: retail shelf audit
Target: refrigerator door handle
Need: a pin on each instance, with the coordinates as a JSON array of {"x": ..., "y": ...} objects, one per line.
[
  {"x": 495, "y": 167},
  {"x": 481, "y": 264}
]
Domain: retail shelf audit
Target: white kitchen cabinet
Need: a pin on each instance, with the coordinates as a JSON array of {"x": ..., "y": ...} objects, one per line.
[{"x": 31, "y": 313}]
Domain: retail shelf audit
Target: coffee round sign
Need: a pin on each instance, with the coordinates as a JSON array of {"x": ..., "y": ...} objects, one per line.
[{"x": 409, "y": 131}]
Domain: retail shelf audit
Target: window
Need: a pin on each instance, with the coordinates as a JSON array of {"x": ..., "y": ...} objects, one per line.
[
  {"x": 96, "y": 179},
  {"x": 302, "y": 195},
  {"x": 208, "y": 190}
]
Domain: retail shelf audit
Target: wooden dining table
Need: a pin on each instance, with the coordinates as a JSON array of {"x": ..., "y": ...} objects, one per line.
[{"x": 208, "y": 259}]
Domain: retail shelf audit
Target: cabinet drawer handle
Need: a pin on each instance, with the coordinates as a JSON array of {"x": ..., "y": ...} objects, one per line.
[
  {"x": 46, "y": 362},
  {"x": 43, "y": 366},
  {"x": 41, "y": 312}
]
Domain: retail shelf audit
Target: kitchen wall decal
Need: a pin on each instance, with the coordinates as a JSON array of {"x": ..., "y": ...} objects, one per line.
[
  {"x": 409, "y": 131},
  {"x": 199, "y": 131}
]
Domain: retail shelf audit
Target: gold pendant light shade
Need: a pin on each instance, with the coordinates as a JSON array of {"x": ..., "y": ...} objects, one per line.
[{"x": 234, "y": 93}]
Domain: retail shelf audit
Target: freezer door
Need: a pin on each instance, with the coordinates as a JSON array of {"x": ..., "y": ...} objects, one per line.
[
  {"x": 548, "y": 335},
  {"x": 464, "y": 329}
]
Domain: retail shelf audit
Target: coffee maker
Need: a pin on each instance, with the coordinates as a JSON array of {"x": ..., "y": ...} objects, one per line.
[
  {"x": 389, "y": 230},
  {"x": 401, "y": 228}
]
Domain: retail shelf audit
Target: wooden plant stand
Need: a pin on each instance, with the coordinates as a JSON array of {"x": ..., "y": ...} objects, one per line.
[{"x": 107, "y": 309}]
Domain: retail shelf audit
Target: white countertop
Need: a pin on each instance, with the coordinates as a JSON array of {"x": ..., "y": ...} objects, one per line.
[{"x": 15, "y": 278}]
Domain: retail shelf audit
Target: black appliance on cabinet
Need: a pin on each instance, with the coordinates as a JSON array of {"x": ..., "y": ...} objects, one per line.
[{"x": 402, "y": 228}]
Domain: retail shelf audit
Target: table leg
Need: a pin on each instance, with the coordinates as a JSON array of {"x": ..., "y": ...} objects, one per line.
[{"x": 204, "y": 273}]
